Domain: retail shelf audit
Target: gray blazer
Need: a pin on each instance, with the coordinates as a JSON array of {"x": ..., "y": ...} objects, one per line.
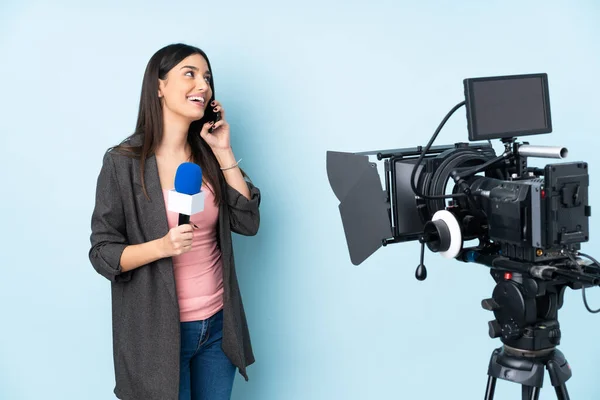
[{"x": 145, "y": 310}]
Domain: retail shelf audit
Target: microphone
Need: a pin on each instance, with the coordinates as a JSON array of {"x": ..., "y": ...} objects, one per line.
[{"x": 187, "y": 199}]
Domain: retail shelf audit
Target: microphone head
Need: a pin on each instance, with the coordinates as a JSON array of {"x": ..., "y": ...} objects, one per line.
[{"x": 188, "y": 178}]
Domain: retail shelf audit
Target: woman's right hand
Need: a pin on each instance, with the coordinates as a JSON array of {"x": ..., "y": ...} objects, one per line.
[{"x": 177, "y": 241}]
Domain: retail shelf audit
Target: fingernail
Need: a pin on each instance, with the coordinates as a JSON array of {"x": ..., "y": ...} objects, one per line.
[
  {"x": 215, "y": 109},
  {"x": 213, "y": 103}
]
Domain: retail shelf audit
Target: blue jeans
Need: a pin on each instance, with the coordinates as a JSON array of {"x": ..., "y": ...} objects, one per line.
[{"x": 206, "y": 372}]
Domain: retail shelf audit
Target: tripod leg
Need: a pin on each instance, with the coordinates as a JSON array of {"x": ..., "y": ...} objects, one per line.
[
  {"x": 530, "y": 392},
  {"x": 491, "y": 387},
  {"x": 535, "y": 393},
  {"x": 560, "y": 372},
  {"x": 561, "y": 392}
]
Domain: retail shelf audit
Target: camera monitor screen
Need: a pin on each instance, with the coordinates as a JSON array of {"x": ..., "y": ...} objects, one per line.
[{"x": 507, "y": 106}]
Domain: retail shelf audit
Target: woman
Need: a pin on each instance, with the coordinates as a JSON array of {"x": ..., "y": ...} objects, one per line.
[{"x": 179, "y": 328}]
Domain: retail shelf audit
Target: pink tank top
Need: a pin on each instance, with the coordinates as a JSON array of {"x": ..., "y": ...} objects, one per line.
[{"x": 199, "y": 273}]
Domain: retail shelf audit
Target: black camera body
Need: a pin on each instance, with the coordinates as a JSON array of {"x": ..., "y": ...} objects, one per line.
[
  {"x": 523, "y": 213},
  {"x": 534, "y": 219},
  {"x": 529, "y": 215}
]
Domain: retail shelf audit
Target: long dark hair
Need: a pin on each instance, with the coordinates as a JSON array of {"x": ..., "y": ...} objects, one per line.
[{"x": 149, "y": 124}]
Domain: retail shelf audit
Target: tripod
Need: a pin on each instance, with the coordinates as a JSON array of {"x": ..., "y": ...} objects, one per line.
[
  {"x": 527, "y": 369},
  {"x": 526, "y": 322}
]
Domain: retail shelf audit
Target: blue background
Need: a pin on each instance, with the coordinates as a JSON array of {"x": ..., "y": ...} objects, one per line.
[{"x": 296, "y": 80}]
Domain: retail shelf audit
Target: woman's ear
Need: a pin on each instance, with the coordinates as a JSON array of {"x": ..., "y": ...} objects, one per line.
[{"x": 161, "y": 86}]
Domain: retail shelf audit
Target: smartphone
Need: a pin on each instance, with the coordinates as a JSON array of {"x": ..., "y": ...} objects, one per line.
[{"x": 214, "y": 117}]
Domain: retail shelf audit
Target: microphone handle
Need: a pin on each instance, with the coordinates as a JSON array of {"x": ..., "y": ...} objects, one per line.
[{"x": 184, "y": 219}]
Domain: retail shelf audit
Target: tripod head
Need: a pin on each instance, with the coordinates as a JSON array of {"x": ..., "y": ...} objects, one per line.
[
  {"x": 525, "y": 303},
  {"x": 527, "y": 297}
]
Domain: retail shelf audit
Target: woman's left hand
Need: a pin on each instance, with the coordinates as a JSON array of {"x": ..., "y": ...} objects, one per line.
[{"x": 219, "y": 138}]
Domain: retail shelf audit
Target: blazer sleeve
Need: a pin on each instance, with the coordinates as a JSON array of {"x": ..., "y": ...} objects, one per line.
[
  {"x": 108, "y": 238},
  {"x": 244, "y": 216}
]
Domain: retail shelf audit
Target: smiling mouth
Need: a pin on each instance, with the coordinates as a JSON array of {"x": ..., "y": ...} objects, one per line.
[{"x": 199, "y": 100}]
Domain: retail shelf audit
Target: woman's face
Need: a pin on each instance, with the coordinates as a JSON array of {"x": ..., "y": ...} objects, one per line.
[{"x": 185, "y": 92}]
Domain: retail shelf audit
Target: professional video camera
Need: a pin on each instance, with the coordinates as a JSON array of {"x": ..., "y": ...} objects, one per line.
[{"x": 529, "y": 222}]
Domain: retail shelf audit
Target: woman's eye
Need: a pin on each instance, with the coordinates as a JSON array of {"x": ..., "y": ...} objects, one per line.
[{"x": 190, "y": 73}]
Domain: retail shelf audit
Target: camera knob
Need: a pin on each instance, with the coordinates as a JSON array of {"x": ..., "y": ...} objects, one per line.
[
  {"x": 495, "y": 329},
  {"x": 490, "y": 305},
  {"x": 554, "y": 336}
]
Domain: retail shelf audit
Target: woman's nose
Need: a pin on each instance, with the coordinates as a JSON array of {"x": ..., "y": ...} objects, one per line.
[{"x": 203, "y": 85}]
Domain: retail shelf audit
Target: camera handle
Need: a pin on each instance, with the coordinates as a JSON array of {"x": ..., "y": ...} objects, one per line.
[{"x": 421, "y": 273}]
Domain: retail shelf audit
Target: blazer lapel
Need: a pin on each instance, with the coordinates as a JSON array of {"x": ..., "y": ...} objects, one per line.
[{"x": 153, "y": 214}]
